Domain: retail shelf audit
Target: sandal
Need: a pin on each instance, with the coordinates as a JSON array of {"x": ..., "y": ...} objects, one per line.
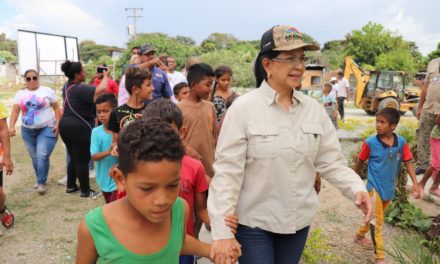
[{"x": 6, "y": 217}]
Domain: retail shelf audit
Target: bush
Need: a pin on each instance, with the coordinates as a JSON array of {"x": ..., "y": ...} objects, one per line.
[{"x": 414, "y": 249}]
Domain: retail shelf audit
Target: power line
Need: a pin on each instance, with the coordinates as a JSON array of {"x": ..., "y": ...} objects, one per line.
[{"x": 134, "y": 16}]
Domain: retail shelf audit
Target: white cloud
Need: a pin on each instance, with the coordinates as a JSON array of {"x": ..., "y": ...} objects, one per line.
[
  {"x": 20, "y": 21},
  {"x": 62, "y": 17},
  {"x": 411, "y": 29}
]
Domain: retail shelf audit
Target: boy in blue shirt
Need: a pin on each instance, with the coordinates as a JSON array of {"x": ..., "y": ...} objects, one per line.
[
  {"x": 101, "y": 145},
  {"x": 385, "y": 152}
]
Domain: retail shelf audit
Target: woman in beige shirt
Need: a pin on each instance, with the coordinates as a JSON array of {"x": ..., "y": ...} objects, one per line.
[{"x": 273, "y": 141}]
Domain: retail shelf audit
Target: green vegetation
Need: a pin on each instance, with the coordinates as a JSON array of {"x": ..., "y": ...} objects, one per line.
[
  {"x": 318, "y": 250},
  {"x": 414, "y": 249}
]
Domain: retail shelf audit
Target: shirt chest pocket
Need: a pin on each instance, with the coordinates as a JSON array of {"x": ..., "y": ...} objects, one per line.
[
  {"x": 262, "y": 142},
  {"x": 309, "y": 139}
]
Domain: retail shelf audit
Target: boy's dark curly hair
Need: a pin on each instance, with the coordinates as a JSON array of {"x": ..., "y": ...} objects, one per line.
[
  {"x": 149, "y": 141},
  {"x": 165, "y": 110}
]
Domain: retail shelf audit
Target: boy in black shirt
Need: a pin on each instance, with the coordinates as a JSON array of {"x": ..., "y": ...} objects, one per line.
[{"x": 139, "y": 87}]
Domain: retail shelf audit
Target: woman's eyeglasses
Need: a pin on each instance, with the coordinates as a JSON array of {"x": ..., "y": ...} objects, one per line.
[
  {"x": 31, "y": 78},
  {"x": 292, "y": 60}
]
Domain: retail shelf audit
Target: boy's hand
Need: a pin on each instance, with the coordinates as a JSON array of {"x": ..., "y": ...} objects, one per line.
[
  {"x": 114, "y": 151},
  {"x": 416, "y": 192},
  {"x": 232, "y": 222},
  {"x": 234, "y": 253},
  {"x": 112, "y": 171}
]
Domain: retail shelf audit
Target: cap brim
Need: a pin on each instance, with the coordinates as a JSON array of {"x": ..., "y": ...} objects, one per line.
[
  {"x": 304, "y": 46},
  {"x": 148, "y": 51}
]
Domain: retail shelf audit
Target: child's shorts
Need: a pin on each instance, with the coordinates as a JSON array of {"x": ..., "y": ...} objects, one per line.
[{"x": 435, "y": 153}]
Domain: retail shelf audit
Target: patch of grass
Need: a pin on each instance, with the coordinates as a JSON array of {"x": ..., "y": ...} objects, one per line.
[
  {"x": 350, "y": 124},
  {"x": 318, "y": 250},
  {"x": 367, "y": 132},
  {"x": 413, "y": 249},
  {"x": 333, "y": 217}
]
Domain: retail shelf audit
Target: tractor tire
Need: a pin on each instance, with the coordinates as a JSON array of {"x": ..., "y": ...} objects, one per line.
[
  {"x": 388, "y": 102},
  {"x": 369, "y": 112}
]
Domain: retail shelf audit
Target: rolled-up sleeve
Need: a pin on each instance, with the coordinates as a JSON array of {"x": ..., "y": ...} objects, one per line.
[
  {"x": 229, "y": 171},
  {"x": 331, "y": 164}
]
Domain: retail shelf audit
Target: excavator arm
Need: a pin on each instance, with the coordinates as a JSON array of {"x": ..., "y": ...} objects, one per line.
[{"x": 361, "y": 77}]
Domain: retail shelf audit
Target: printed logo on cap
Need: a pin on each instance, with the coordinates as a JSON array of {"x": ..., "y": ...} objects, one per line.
[{"x": 292, "y": 33}]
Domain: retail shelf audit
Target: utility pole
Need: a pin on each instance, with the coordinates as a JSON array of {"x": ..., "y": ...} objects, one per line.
[{"x": 134, "y": 16}]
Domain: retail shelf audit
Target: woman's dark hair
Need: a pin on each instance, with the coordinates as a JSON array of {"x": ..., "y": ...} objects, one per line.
[
  {"x": 71, "y": 68},
  {"x": 219, "y": 72},
  {"x": 165, "y": 110},
  {"x": 135, "y": 76},
  {"x": 107, "y": 98},
  {"x": 28, "y": 71},
  {"x": 148, "y": 141},
  {"x": 259, "y": 72}
]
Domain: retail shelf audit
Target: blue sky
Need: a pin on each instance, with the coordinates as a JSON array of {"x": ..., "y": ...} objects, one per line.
[{"x": 106, "y": 21}]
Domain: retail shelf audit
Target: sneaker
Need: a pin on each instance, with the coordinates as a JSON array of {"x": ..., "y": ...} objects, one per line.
[
  {"x": 420, "y": 171},
  {"x": 41, "y": 189},
  {"x": 63, "y": 181},
  {"x": 72, "y": 190},
  {"x": 92, "y": 194}
]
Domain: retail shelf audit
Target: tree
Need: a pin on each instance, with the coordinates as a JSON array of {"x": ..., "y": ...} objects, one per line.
[
  {"x": 8, "y": 44},
  {"x": 163, "y": 44},
  {"x": 222, "y": 40},
  {"x": 185, "y": 40},
  {"x": 333, "y": 52},
  {"x": 396, "y": 60},
  {"x": 89, "y": 51},
  {"x": 434, "y": 54},
  {"x": 7, "y": 56},
  {"x": 367, "y": 44}
]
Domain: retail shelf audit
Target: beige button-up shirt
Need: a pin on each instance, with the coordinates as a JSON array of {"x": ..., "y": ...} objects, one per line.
[
  {"x": 432, "y": 102},
  {"x": 266, "y": 163}
]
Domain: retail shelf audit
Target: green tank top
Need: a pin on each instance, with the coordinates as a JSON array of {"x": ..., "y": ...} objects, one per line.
[{"x": 110, "y": 250}]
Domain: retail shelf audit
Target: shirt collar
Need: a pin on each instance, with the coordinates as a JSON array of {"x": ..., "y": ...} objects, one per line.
[
  {"x": 395, "y": 143},
  {"x": 271, "y": 96}
]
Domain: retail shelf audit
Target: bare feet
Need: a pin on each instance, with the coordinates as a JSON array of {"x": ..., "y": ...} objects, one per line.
[
  {"x": 363, "y": 241},
  {"x": 380, "y": 261},
  {"x": 435, "y": 192}
]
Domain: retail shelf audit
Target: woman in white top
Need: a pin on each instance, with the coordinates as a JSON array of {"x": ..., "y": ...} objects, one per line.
[
  {"x": 273, "y": 141},
  {"x": 40, "y": 114}
]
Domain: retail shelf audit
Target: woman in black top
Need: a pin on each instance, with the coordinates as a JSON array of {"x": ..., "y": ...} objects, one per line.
[{"x": 77, "y": 123}]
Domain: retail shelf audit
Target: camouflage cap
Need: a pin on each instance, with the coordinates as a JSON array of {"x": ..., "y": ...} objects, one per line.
[
  {"x": 283, "y": 38},
  {"x": 146, "y": 48}
]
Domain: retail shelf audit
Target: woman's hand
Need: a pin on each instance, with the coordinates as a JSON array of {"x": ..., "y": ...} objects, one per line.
[
  {"x": 56, "y": 131},
  {"x": 12, "y": 132},
  {"x": 363, "y": 202},
  {"x": 222, "y": 251},
  {"x": 7, "y": 162}
]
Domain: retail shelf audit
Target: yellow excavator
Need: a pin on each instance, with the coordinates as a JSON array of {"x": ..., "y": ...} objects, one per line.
[{"x": 376, "y": 90}]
